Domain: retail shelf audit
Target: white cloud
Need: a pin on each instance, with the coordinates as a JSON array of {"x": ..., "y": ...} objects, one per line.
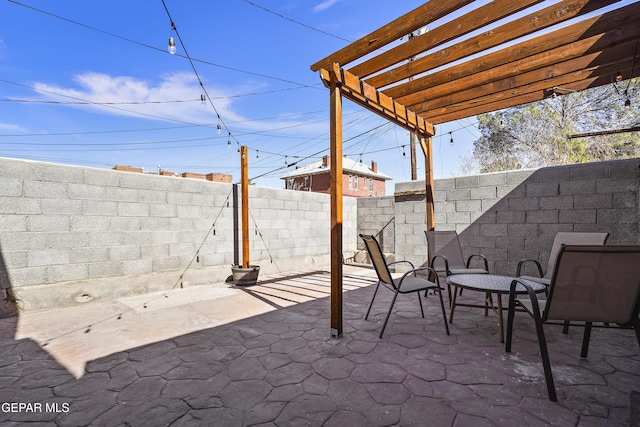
[
  {"x": 143, "y": 99},
  {"x": 324, "y": 5},
  {"x": 10, "y": 127},
  {"x": 140, "y": 98}
]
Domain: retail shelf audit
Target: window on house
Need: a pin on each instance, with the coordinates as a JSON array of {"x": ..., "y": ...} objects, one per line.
[
  {"x": 370, "y": 184},
  {"x": 355, "y": 182},
  {"x": 306, "y": 182},
  {"x": 290, "y": 182},
  {"x": 350, "y": 181}
]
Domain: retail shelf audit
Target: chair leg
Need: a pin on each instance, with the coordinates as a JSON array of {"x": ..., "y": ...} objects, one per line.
[
  {"x": 585, "y": 340},
  {"x": 510, "y": 316},
  {"x": 565, "y": 327},
  {"x": 544, "y": 354},
  {"x": 452, "y": 307},
  {"x": 420, "y": 301},
  {"x": 636, "y": 328},
  {"x": 384, "y": 325},
  {"x": 444, "y": 314},
  {"x": 371, "y": 304}
]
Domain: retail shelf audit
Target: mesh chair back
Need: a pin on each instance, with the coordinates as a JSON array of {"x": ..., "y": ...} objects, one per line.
[
  {"x": 445, "y": 243},
  {"x": 377, "y": 259},
  {"x": 569, "y": 238},
  {"x": 595, "y": 284}
]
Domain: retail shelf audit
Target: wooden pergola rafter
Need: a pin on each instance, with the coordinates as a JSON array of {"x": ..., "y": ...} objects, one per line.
[{"x": 474, "y": 60}]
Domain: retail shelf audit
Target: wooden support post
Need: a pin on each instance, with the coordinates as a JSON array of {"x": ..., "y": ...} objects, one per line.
[
  {"x": 336, "y": 206},
  {"x": 412, "y": 150},
  {"x": 244, "y": 183},
  {"x": 428, "y": 179}
]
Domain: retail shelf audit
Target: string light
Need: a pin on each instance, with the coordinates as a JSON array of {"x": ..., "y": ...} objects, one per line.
[
  {"x": 203, "y": 99},
  {"x": 451, "y": 140},
  {"x": 257, "y": 154},
  {"x": 229, "y": 141},
  {"x": 404, "y": 154},
  {"x": 285, "y": 161},
  {"x": 172, "y": 42}
]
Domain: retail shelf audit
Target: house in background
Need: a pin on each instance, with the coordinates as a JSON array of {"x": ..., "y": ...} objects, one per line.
[{"x": 358, "y": 180}]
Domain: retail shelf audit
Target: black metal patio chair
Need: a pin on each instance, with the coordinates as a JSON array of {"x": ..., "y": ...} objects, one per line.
[
  {"x": 561, "y": 238},
  {"x": 446, "y": 259},
  {"x": 589, "y": 284},
  {"x": 410, "y": 282}
]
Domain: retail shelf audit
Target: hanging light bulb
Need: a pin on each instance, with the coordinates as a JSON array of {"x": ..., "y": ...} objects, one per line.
[
  {"x": 219, "y": 128},
  {"x": 285, "y": 161},
  {"x": 203, "y": 99},
  {"x": 618, "y": 76},
  {"x": 257, "y": 154},
  {"x": 229, "y": 141},
  {"x": 404, "y": 154},
  {"x": 451, "y": 140},
  {"x": 627, "y": 104},
  {"x": 172, "y": 46}
]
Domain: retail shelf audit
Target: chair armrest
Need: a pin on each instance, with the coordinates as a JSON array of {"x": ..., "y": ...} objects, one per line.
[
  {"x": 446, "y": 263},
  {"x": 523, "y": 262},
  {"x": 415, "y": 270},
  {"x": 402, "y": 261},
  {"x": 484, "y": 259}
]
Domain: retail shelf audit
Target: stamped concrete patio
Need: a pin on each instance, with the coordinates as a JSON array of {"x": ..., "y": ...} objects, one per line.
[{"x": 219, "y": 355}]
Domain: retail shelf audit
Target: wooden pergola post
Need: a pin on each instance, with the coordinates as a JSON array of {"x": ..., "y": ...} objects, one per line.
[
  {"x": 336, "y": 205},
  {"x": 428, "y": 179},
  {"x": 244, "y": 184}
]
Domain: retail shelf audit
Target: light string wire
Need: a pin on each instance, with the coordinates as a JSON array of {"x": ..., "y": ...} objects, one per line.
[
  {"x": 259, "y": 233},
  {"x": 178, "y": 283}
]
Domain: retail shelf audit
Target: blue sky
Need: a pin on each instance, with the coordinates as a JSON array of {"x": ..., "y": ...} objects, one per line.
[{"x": 92, "y": 83}]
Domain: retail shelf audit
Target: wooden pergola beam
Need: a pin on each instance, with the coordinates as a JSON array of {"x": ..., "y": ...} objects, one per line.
[
  {"x": 453, "y": 113},
  {"x": 354, "y": 89},
  {"x": 458, "y": 27},
  {"x": 526, "y": 25},
  {"x": 610, "y": 61},
  {"x": 596, "y": 26},
  {"x": 428, "y": 12}
]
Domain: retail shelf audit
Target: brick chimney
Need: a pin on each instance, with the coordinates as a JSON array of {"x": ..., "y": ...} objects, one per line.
[
  {"x": 374, "y": 166},
  {"x": 325, "y": 161}
]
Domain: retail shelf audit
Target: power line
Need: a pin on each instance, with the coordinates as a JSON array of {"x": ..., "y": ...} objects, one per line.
[
  {"x": 156, "y": 48},
  {"x": 297, "y": 22}
]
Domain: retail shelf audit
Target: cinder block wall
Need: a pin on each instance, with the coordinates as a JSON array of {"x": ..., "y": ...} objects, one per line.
[
  {"x": 513, "y": 215},
  {"x": 376, "y": 215},
  {"x": 71, "y": 234}
]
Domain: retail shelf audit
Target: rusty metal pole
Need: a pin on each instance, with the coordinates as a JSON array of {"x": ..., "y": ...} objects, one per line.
[{"x": 244, "y": 184}]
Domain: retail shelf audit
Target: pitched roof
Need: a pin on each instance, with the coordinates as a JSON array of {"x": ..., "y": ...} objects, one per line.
[{"x": 348, "y": 166}]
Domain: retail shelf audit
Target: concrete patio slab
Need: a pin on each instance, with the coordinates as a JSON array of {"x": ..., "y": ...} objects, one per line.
[{"x": 220, "y": 355}]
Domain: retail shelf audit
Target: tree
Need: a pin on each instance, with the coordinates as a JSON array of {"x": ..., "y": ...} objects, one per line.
[{"x": 535, "y": 135}]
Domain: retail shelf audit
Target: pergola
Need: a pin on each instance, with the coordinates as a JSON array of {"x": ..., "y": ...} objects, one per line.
[{"x": 499, "y": 55}]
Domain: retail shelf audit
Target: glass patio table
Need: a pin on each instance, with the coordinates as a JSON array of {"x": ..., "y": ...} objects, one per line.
[{"x": 489, "y": 284}]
